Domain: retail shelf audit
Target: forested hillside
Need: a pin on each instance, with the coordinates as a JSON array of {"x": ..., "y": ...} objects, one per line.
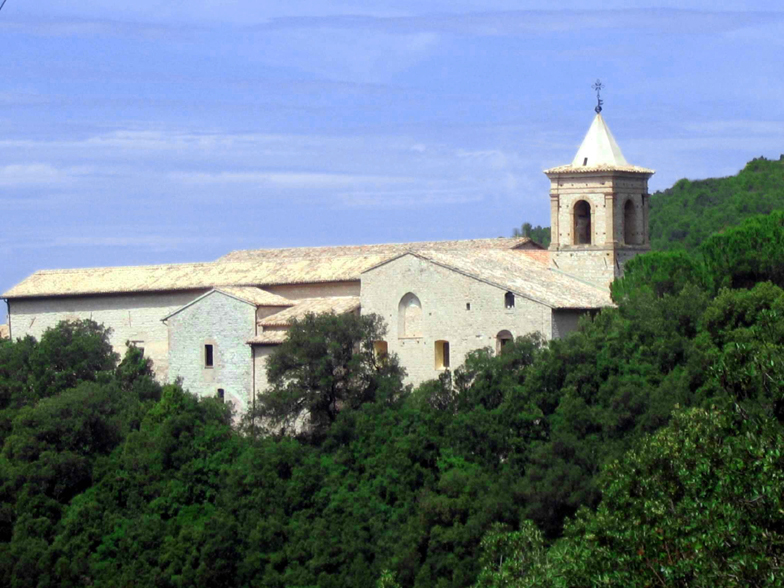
[
  {"x": 687, "y": 214},
  {"x": 691, "y": 211},
  {"x": 642, "y": 450}
]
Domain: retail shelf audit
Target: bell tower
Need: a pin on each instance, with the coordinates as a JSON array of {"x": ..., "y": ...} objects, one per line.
[{"x": 598, "y": 208}]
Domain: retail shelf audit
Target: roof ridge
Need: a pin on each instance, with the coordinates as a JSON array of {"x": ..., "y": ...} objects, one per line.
[
  {"x": 68, "y": 270},
  {"x": 376, "y": 245}
]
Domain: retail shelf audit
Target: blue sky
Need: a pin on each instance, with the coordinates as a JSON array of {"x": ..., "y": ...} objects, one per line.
[{"x": 179, "y": 131}]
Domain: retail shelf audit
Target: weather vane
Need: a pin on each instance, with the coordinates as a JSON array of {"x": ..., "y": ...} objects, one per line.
[{"x": 598, "y": 86}]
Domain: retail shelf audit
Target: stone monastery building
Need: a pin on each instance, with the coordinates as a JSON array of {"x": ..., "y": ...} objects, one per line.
[{"x": 214, "y": 324}]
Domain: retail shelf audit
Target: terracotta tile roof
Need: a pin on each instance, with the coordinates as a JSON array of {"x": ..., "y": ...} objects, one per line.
[
  {"x": 524, "y": 276},
  {"x": 5, "y": 332},
  {"x": 268, "y": 338},
  {"x": 259, "y": 267},
  {"x": 540, "y": 255},
  {"x": 336, "y": 304},
  {"x": 256, "y": 296}
]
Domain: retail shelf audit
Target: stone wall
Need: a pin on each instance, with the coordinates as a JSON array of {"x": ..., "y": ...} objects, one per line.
[
  {"x": 225, "y": 323},
  {"x": 132, "y": 317},
  {"x": 445, "y": 316},
  {"x": 607, "y": 193},
  {"x": 592, "y": 264},
  {"x": 318, "y": 290},
  {"x": 565, "y": 321},
  {"x": 260, "y": 355}
]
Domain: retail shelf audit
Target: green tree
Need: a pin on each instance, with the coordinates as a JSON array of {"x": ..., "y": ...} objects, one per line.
[
  {"x": 750, "y": 253},
  {"x": 688, "y": 213},
  {"x": 538, "y": 234},
  {"x": 697, "y": 504},
  {"x": 72, "y": 352},
  {"x": 327, "y": 364}
]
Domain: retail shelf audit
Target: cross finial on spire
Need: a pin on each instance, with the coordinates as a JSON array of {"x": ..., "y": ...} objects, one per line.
[{"x": 598, "y": 86}]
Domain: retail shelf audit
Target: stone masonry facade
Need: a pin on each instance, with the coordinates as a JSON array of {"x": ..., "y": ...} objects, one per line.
[
  {"x": 225, "y": 323},
  {"x": 466, "y": 313},
  {"x": 440, "y": 300},
  {"x": 135, "y": 318}
]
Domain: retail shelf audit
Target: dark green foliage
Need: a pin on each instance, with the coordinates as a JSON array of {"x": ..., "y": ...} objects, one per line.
[
  {"x": 74, "y": 352},
  {"x": 552, "y": 463},
  {"x": 64, "y": 410},
  {"x": 538, "y": 234},
  {"x": 748, "y": 254},
  {"x": 684, "y": 216},
  {"x": 697, "y": 504},
  {"x": 327, "y": 364},
  {"x": 662, "y": 273}
]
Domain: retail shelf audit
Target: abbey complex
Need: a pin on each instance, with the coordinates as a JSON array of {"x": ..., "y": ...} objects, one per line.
[{"x": 214, "y": 324}]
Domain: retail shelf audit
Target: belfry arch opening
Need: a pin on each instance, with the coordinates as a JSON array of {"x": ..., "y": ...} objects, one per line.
[
  {"x": 409, "y": 316},
  {"x": 582, "y": 223},
  {"x": 631, "y": 236}
]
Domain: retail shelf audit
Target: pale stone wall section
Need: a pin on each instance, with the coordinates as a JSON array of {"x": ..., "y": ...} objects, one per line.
[
  {"x": 225, "y": 323},
  {"x": 444, "y": 295},
  {"x": 565, "y": 321},
  {"x": 132, "y": 317},
  {"x": 260, "y": 355},
  {"x": 316, "y": 290},
  {"x": 595, "y": 264}
]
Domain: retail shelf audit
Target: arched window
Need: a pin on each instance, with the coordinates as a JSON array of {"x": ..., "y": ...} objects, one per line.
[
  {"x": 509, "y": 300},
  {"x": 409, "y": 316},
  {"x": 581, "y": 233},
  {"x": 631, "y": 236},
  {"x": 501, "y": 339},
  {"x": 442, "y": 355}
]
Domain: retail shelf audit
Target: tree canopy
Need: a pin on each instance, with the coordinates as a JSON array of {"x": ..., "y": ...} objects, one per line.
[
  {"x": 642, "y": 450},
  {"x": 326, "y": 364}
]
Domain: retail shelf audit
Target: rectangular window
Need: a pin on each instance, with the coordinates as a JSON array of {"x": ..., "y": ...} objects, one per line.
[
  {"x": 221, "y": 394},
  {"x": 442, "y": 355},
  {"x": 468, "y": 306},
  {"x": 139, "y": 345},
  {"x": 381, "y": 349},
  {"x": 208, "y": 358}
]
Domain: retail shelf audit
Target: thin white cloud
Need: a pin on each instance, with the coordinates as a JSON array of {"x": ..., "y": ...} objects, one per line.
[
  {"x": 414, "y": 198},
  {"x": 91, "y": 236},
  {"x": 282, "y": 179},
  {"x": 735, "y": 127},
  {"x": 527, "y": 22},
  {"x": 36, "y": 174}
]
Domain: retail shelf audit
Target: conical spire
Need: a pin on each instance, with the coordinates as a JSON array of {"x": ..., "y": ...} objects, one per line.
[
  {"x": 599, "y": 152},
  {"x": 599, "y": 147}
]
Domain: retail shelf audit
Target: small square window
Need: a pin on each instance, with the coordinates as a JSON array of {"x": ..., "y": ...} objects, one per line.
[{"x": 208, "y": 356}]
